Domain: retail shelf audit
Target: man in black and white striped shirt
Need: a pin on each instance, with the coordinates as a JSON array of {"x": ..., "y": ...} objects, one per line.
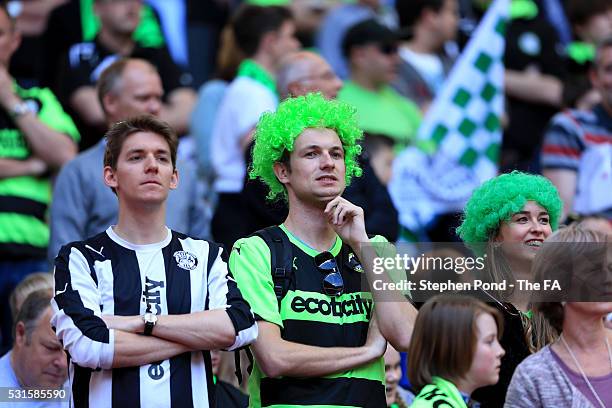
[{"x": 139, "y": 277}]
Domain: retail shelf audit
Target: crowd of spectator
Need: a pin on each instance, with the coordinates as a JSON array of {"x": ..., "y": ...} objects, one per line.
[{"x": 224, "y": 76}]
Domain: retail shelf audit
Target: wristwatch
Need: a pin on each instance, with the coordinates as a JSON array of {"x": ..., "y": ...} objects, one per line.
[
  {"x": 20, "y": 109},
  {"x": 150, "y": 320}
]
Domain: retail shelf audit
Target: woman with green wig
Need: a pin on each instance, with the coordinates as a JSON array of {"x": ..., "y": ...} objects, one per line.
[{"x": 506, "y": 220}]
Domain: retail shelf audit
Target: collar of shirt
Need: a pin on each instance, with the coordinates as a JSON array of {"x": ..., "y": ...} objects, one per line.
[{"x": 251, "y": 69}]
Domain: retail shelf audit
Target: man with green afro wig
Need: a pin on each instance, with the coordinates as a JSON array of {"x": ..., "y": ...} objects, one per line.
[
  {"x": 319, "y": 342},
  {"x": 497, "y": 199},
  {"x": 276, "y": 133}
]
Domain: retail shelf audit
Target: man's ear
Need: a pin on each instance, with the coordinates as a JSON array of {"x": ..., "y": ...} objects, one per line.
[
  {"x": 281, "y": 171},
  {"x": 109, "y": 177},
  {"x": 295, "y": 88},
  {"x": 174, "y": 180},
  {"x": 109, "y": 102},
  {"x": 267, "y": 41},
  {"x": 20, "y": 334},
  {"x": 357, "y": 55}
]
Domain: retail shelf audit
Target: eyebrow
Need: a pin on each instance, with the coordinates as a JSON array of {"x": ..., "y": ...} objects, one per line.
[
  {"x": 158, "y": 151},
  {"x": 527, "y": 213}
]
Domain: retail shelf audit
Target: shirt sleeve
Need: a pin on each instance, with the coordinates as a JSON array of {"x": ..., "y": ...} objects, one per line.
[
  {"x": 53, "y": 115},
  {"x": 76, "y": 312},
  {"x": 562, "y": 143},
  {"x": 250, "y": 264},
  {"x": 522, "y": 392},
  {"x": 224, "y": 293},
  {"x": 68, "y": 213}
]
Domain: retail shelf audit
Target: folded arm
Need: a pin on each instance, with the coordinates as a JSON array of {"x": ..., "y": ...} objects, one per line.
[{"x": 278, "y": 357}]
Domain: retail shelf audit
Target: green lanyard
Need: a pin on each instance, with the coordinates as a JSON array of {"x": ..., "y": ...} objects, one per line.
[
  {"x": 250, "y": 69},
  {"x": 581, "y": 52}
]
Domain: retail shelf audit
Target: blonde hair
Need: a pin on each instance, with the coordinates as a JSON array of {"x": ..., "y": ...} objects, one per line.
[
  {"x": 555, "y": 261},
  {"x": 31, "y": 283}
]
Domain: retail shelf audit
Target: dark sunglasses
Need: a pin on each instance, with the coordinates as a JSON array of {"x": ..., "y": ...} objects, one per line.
[
  {"x": 388, "y": 49},
  {"x": 333, "y": 284}
]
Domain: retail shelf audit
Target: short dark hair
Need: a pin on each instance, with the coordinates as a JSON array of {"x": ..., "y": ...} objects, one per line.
[
  {"x": 251, "y": 23},
  {"x": 111, "y": 75},
  {"x": 443, "y": 342},
  {"x": 373, "y": 142},
  {"x": 410, "y": 11},
  {"x": 32, "y": 308},
  {"x": 367, "y": 32},
  {"x": 580, "y": 11},
  {"x": 120, "y": 131}
]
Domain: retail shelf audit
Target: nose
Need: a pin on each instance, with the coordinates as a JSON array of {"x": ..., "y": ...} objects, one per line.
[
  {"x": 337, "y": 83},
  {"x": 153, "y": 107},
  {"x": 61, "y": 361},
  {"x": 502, "y": 352},
  {"x": 326, "y": 160},
  {"x": 537, "y": 227},
  {"x": 151, "y": 163},
  {"x": 395, "y": 375}
]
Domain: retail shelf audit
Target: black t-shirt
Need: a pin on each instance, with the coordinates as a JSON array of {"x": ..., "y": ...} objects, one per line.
[
  {"x": 530, "y": 43},
  {"x": 85, "y": 61}
]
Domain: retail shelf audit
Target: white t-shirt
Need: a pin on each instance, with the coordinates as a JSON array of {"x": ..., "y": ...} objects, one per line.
[
  {"x": 244, "y": 102},
  {"x": 429, "y": 66}
]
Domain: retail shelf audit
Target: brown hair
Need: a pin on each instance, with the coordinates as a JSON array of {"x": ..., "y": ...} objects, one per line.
[
  {"x": 555, "y": 261},
  {"x": 444, "y": 338},
  {"x": 120, "y": 131},
  {"x": 580, "y": 11},
  {"x": 31, "y": 310}
]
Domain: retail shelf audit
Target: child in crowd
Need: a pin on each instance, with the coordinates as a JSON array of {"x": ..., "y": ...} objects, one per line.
[{"x": 454, "y": 350}]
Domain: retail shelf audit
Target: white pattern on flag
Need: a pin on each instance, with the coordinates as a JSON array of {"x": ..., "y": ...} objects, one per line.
[{"x": 460, "y": 137}]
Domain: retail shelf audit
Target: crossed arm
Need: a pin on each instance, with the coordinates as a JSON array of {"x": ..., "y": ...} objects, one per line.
[
  {"x": 172, "y": 335},
  {"x": 277, "y": 357}
]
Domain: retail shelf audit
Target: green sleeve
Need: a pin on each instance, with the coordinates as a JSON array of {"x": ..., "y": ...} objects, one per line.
[
  {"x": 249, "y": 262},
  {"x": 52, "y": 114},
  {"x": 385, "y": 249}
]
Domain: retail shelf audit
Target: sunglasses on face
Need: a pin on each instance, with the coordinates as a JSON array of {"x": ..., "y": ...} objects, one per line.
[
  {"x": 333, "y": 284},
  {"x": 388, "y": 49}
]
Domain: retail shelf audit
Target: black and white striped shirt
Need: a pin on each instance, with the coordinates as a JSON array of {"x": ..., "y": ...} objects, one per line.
[{"x": 107, "y": 275}]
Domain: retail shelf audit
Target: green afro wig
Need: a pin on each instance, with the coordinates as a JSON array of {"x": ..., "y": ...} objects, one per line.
[
  {"x": 497, "y": 199},
  {"x": 277, "y": 131}
]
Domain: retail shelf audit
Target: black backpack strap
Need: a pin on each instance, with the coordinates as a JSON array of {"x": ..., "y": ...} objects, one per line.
[
  {"x": 237, "y": 364},
  {"x": 281, "y": 259},
  {"x": 281, "y": 264}
]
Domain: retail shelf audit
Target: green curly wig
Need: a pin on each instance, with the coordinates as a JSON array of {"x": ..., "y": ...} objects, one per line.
[
  {"x": 276, "y": 132},
  {"x": 497, "y": 199}
]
